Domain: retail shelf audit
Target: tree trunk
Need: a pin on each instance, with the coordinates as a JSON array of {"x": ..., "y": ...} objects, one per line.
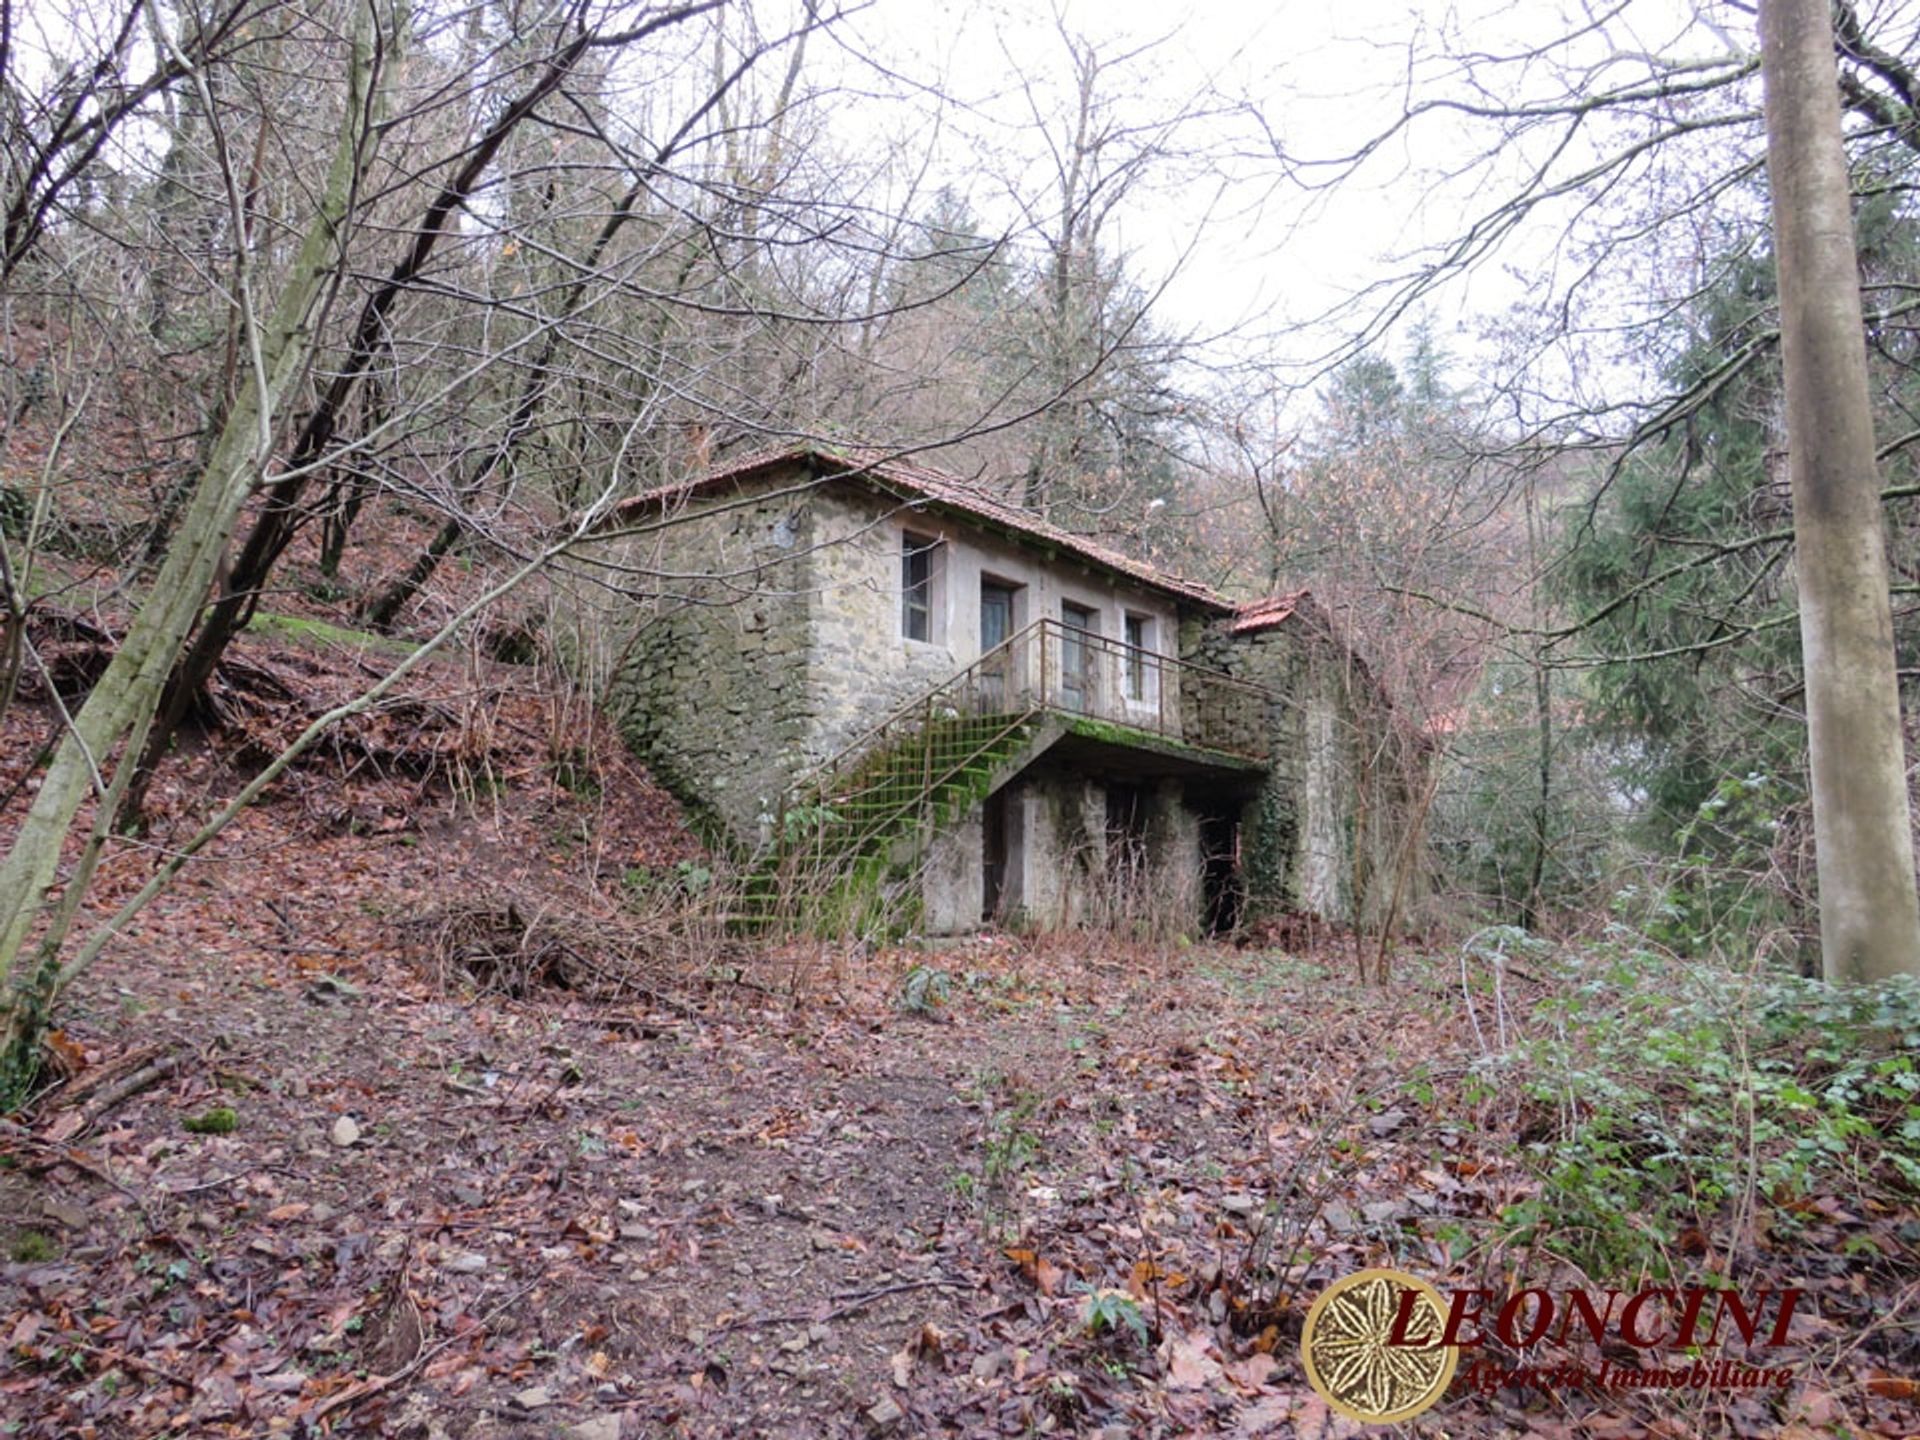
[
  {"x": 1532, "y": 903},
  {"x": 283, "y": 510},
  {"x": 124, "y": 700},
  {"x": 281, "y": 513},
  {"x": 1869, "y": 919},
  {"x": 386, "y": 606}
]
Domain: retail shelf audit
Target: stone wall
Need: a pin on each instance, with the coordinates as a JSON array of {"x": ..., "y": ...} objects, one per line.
[
  {"x": 864, "y": 667},
  {"x": 861, "y": 668},
  {"x": 952, "y": 881},
  {"x": 1064, "y": 821},
  {"x": 776, "y": 640},
  {"x": 1173, "y": 902},
  {"x": 1326, "y": 831},
  {"x": 711, "y": 684},
  {"x": 1065, "y": 870}
]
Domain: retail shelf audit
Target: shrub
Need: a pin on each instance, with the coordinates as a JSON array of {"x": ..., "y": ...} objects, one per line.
[
  {"x": 925, "y": 990},
  {"x": 1663, "y": 1093}
]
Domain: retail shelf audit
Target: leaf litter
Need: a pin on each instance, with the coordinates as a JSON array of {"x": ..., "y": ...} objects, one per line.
[{"x": 511, "y": 1156}]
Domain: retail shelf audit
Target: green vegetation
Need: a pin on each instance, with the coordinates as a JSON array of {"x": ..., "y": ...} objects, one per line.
[
  {"x": 1089, "y": 728},
  {"x": 1009, "y": 1146},
  {"x": 842, "y": 865},
  {"x": 925, "y": 990},
  {"x": 221, "y": 1120},
  {"x": 31, "y": 1247},
  {"x": 1662, "y": 1099},
  {"x": 573, "y": 770},
  {"x": 1114, "y": 1312},
  {"x": 298, "y": 629},
  {"x": 16, "y": 512},
  {"x": 1711, "y": 897},
  {"x": 1689, "y": 688},
  {"x": 1011, "y": 1143},
  {"x": 684, "y": 880}
]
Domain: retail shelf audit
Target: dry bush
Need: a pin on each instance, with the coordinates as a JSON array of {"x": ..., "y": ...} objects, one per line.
[{"x": 516, "y": 943}]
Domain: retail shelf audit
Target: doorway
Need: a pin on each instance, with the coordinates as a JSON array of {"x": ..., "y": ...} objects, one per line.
[
  {"x": 996, "y": 628},
  {"x": 1126, "y": 837},
  {"x": 1220, "y": 884},
  {"x": 997, "y": 851},
  {"x": 1076, "y": 656}
]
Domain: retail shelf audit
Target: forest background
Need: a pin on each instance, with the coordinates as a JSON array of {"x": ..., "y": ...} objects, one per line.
[{"x": 347, "y": 319}]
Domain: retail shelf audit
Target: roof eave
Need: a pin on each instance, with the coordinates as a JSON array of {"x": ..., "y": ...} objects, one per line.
[{"x": 827, "y": 465}]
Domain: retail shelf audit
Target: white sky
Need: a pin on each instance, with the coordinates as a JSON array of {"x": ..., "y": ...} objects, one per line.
[
  {"x": 1249, "y": 251},
  {"x": 1244, "y": 251}
]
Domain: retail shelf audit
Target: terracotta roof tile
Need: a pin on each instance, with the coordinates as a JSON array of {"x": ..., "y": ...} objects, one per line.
[{"x": 1265, "y": 613}]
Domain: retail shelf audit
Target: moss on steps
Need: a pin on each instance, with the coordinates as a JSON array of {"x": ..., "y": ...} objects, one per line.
[{"x": 839, "y": 872}]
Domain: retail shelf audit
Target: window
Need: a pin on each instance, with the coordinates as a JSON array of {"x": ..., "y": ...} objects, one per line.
[
  {"x": 1139, "y": 630},
  {"x": 917, "y": 554},
  {"x": 996, "y": 614}
]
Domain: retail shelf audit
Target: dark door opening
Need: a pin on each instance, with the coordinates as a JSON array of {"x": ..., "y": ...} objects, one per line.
[
  {"x": 994, "y": 852},
  {"x": 1220, "y": 871},
  {"x": 1126, "y": 833}
]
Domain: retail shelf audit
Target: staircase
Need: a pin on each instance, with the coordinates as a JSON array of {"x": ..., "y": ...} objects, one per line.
[
  {"x": 848, "y": 857},
  {"x": 853, "y": 837}
]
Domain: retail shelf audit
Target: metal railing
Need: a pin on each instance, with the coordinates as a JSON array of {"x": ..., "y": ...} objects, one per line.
[
  {"x": 1079, "y": 672},
  {"x": 891, "y": 781},
  {"x": 957, "y": 694},
  {"x": 1051, "y": 665},
  {"x": 946, "y": 742}
]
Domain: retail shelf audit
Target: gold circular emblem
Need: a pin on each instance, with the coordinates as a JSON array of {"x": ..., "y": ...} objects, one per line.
[{"x": 1349, "y": 1354}]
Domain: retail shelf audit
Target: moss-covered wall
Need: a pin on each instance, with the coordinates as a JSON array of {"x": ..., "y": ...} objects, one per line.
[
  {"x": 710, "y": 688},
  {"x": 1325, "y": 831}
]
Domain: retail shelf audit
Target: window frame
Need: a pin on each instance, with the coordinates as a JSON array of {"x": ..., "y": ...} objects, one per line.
[
  {"x": 919, "y": 594},
  {"x": 1136, "y": 635}
]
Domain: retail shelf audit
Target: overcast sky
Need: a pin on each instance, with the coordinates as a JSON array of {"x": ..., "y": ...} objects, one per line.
[
  {"x": 966, "y": 92},
  {"x": 1244, "y": 247}
]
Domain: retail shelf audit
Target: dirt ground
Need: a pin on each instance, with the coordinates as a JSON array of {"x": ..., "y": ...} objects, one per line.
[
  {"x": 1078, "y": 1186},
  {"x": 756, "y": 1216}
]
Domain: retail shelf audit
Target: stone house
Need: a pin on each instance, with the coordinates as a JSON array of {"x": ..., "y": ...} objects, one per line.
[{"x": 920, "y": 706}]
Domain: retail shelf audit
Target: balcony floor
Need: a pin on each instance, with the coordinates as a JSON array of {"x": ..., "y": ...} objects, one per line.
[{"x": 1091, "y": 744}]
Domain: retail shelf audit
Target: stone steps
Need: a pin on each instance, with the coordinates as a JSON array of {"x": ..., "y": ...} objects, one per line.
[{"x": 873, "y": 820}]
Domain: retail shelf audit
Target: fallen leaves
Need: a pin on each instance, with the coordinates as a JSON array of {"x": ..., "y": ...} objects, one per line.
[
  {"x": 1046, "y": 1276},
  {"x": 1190, "y": 1362},
  {"x": 744, "y": 1212}
]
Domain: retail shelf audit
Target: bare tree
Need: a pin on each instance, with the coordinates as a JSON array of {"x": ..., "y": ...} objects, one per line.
[
  {"x": 1869, "y": 916},
  {"x": 278, "y": 345},
  {"x": 534, "y": 291},
  {"x": 581, "y": 35},
  {"x": 1615, "y": 157}
]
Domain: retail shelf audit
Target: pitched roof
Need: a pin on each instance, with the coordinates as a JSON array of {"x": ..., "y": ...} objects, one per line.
[
  {"x": 923, "y": 486},
  {"x": 1272, "y": 611},
  {"x": 1264, "y": 614}
]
